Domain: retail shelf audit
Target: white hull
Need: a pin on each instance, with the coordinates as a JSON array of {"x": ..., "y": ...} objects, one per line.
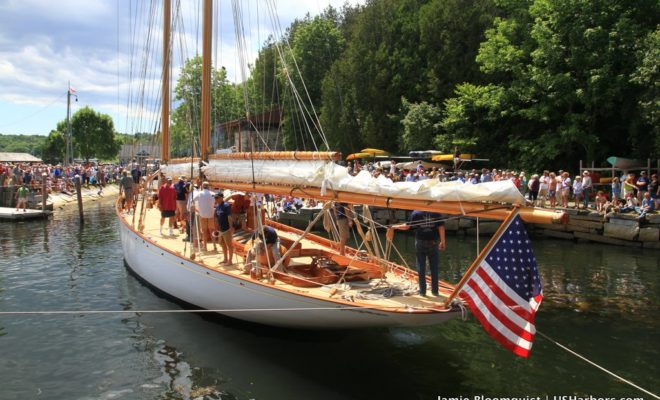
[{"x": 207, "y": 288}]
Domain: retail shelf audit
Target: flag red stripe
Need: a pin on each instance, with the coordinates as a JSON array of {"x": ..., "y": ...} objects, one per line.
[
  {"x": 508, "y": 301},
  {"x": 492, "y": 331},
  {"x": 494, "y": 309}
]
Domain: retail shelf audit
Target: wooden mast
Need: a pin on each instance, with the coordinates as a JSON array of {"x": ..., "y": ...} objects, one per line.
[
  {"x": 205, "y": 139},
  {"x": 165, "y": 106}
]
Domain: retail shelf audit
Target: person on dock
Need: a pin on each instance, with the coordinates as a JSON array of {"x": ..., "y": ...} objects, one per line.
[
  {"x": 587, "y": 187},
  {"x": 126, "y": 189},
  {"x": 648, "y": 205},
  {"x": 167, "y": 205},
  {"x": 222, "y": 214},
  {"x": 654, "y": 190},
  {"x": 22, "y": 197},
  {"x": 429, "y": 240},
  {"x": 642, "y": 184},
  {"x": 616, "y": 191}
]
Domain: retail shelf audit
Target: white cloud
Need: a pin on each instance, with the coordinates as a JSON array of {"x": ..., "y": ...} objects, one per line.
[{"x": 44, "y": 44}]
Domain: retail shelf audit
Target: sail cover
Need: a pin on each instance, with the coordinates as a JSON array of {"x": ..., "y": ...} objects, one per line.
[
  {"x": 183, "y": 169},
  {"x": 329, "y": 176}
]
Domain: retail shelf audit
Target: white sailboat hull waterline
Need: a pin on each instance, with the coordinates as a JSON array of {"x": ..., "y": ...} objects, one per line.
[{"x": 249, "y": 300}]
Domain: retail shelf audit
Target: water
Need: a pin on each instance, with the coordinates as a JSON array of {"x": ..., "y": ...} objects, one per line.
[{"x": 600, "y": 300}]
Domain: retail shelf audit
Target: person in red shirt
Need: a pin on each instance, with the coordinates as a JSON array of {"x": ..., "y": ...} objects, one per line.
[
  {"x": 239, "y": 209},
  {"x": 167, "y": 204}
]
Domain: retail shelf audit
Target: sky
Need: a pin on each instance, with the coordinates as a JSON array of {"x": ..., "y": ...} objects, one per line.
[{"x": 98, "y": 45}]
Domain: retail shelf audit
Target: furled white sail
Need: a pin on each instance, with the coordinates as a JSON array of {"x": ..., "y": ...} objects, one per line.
[
  {"x": 183, "y": 169},
  {"x": 330, "y": 176}
]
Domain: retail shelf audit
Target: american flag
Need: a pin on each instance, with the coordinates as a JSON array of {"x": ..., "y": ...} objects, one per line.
[
  {"x": 505, "y": 290},
  {"x": 72, "y": 90}
]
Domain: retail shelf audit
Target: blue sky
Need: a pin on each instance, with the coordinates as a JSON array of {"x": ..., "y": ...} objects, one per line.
[{"x": 44, "y": 44}]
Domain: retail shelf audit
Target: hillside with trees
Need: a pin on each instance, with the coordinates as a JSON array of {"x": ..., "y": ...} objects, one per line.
[{"x": 535, "y": 83}]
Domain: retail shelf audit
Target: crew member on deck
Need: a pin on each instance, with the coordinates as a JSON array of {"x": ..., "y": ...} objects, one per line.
[
  {"x": 222, "y": 214},
  {"x": 205, "y": 207},
  {"x": 239, "y": 208},
  {"x": 126, "y": 188},
  {"x": 344, "y": 218},
  {"x": 429, "y": 238},
  {"x": 272, "y": 245},
  {"x": 167, "y": 205}
]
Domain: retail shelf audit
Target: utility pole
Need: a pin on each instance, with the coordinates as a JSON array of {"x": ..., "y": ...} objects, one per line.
[{"x": 69, "y": 139}]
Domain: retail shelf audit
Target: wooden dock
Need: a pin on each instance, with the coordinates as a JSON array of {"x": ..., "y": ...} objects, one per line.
[{"x": 10, "y": 214}]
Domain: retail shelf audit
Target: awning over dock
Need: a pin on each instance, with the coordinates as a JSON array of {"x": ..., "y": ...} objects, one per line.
[{"x": 18, "y": 157}]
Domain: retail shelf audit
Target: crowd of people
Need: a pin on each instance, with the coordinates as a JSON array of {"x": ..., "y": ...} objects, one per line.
[
  {"x": 29, "y": 178},
  {"x": 60, "y": 178},
  {"x": 626, "y": 193}
]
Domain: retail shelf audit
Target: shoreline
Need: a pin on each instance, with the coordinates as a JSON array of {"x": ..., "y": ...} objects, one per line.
[{"x": 60, "y": 200}]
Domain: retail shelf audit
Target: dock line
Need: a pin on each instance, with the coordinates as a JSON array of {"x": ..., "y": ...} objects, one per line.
[{"x": 620, "y": 378}]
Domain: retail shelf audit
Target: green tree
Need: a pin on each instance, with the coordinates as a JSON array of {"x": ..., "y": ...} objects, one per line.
[
  {"x": 227, "y": 104},
  {"x": 420, "y": 125},
  {"x": 264, "y": 79},
  {"x": 559, "y": 81},
  {"x": 93, "y": 134},
  {"x": 316, "y": 43},
  {"x": 647, "y": 76},
  {"x": 450, "y": 34},
  {"x": 54, "y": 147}
]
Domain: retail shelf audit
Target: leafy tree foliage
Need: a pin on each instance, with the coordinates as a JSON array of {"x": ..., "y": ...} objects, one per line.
[
  {"x": 54, "y": 147},
  {"x": 560, "y": 86},
  {"x": 316, "y": 43},
  {"x": 400, "y": 48},
  {"x": 31, "y": 144},
  {"x": 226, "y": 105},
  {"x": 420, "y": 125},
  {"x": 647, "y": 76},
  {"x": 93, "y": 134}
]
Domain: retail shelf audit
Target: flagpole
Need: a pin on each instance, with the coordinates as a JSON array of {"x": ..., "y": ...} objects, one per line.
[
  {"x": 491, "y": 243},
  {"x": 68, "y": 125}
]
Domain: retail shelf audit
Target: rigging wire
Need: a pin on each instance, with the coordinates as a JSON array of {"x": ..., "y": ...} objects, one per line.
[{"x": 53, "y": 101}]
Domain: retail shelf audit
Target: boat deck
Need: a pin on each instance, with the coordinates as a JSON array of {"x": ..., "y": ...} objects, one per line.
[{"x": 349, "y": 292}]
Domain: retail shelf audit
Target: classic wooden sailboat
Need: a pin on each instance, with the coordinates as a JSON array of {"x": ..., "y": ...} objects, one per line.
[{"x": 318, "y": 288}]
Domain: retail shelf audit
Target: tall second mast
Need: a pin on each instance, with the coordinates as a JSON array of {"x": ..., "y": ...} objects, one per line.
[
  {"x": 205, "y": 139},
  {"x": 165, "y": 106}
]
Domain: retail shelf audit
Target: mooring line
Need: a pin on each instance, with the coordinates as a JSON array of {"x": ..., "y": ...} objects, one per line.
[
  {"x": 192, "y": 311},
  {"x": 622, "y": 379}
]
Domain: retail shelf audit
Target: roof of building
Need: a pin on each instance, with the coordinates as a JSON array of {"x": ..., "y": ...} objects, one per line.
[{"x": 18, "y": 157}]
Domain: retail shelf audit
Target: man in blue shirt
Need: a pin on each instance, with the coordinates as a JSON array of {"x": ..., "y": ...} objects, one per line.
[
  {"x": 429, "y": 239},
  {"x": 222, "y": 213}
]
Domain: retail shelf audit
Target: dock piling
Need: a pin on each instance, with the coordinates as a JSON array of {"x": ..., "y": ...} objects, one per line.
[
  {"x": 44, "y": 192},
  {"x": 79, "y": 196}
]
